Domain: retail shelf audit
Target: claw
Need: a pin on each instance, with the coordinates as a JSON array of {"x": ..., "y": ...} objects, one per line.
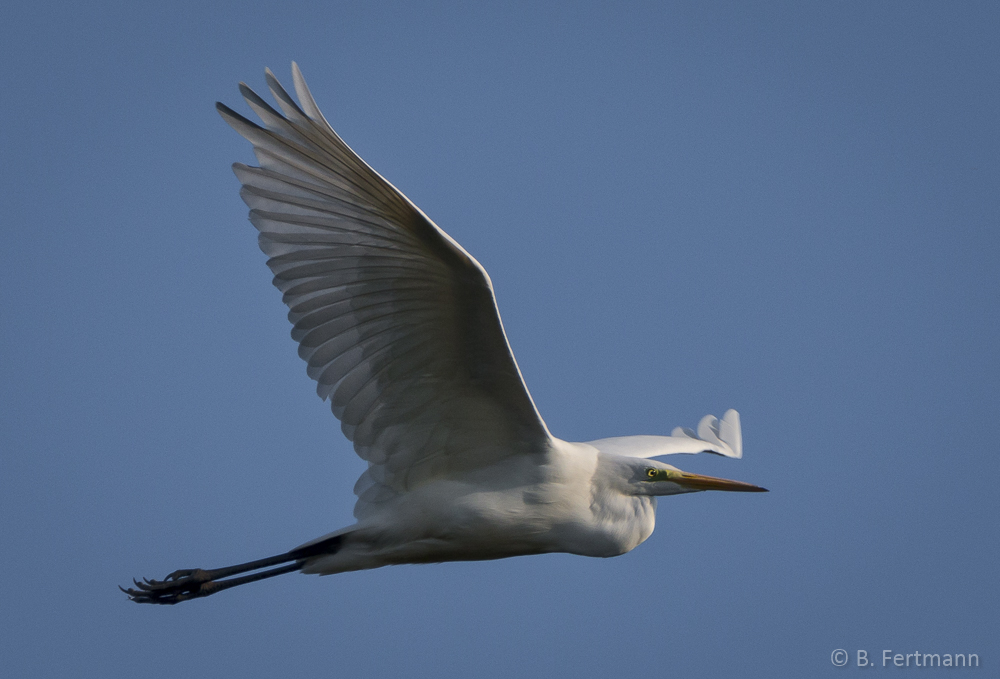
[
  {"x": 193, "y": 583},
  {"x": 181, "y": 585}
]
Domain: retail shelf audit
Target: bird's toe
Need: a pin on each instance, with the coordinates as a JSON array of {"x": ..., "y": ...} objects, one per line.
[{"x": 180, "y": 585}]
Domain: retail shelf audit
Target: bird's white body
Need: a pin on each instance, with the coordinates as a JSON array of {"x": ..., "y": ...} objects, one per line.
[{"x": 566, "y": 502}]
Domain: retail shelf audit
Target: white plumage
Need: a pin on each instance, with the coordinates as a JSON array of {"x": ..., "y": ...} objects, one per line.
[{"x": 399, "y": 327}]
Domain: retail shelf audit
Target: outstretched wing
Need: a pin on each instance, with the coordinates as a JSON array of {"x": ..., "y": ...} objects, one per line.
[
  {"x": 397, "y": 322},
  {"x": 722, "y": 437}
]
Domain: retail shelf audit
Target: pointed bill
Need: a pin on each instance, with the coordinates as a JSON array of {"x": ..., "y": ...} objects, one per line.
[{"x": 699, "y": 482}]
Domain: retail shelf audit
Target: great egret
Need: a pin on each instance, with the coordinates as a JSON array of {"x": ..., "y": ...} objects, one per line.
[{"x": 399, "y": 327}]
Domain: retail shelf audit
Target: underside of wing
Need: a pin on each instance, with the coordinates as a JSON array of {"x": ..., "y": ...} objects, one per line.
[{"x": 397, "y": 323}]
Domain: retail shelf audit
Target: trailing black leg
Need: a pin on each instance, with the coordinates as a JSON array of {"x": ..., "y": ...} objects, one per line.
[{"x": 194, "y": 583}]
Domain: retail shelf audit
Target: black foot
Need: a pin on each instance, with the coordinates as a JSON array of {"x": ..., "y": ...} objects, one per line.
[
  {"x": 178, "y": 586},
  {"x": 194, "y": 583}
]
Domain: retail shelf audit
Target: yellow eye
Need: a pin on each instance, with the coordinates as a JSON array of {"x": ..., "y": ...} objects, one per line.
[{"x": 651, "y": 473}]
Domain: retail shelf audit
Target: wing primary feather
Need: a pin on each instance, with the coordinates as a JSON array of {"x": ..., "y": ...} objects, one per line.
[
  {"x": 330, "y": 139},
  {"x": 312, "y": 161}
]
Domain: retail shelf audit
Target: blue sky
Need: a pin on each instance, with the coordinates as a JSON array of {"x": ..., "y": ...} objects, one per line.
[{"x": 790, "y": 209}]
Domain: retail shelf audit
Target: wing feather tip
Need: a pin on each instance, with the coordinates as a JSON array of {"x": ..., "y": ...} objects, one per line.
[{"x": 236, "y": 120}]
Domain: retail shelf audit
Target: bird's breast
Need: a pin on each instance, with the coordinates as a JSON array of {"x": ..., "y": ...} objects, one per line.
[{"x": 611, "y": 527}]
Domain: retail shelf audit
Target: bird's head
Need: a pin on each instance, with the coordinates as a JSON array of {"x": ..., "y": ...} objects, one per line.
[{"x": 650, "y": 477}]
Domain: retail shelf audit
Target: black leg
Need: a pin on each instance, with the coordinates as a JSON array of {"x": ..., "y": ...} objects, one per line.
[{"x": 194, "y": 583}]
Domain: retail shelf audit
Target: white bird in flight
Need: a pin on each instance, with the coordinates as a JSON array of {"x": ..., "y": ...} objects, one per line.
[{"x": 400, "y": 330}]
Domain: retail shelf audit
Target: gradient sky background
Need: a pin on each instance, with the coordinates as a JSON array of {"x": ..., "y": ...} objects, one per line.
[{"x": 791, "y": 209}]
